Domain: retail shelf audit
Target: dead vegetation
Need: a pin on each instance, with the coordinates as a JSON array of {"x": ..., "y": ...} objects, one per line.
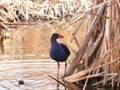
[{"x": 97, "y": 59}]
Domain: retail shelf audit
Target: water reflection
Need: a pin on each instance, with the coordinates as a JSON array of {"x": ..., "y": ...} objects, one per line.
[{"x": 74, "y": 86}]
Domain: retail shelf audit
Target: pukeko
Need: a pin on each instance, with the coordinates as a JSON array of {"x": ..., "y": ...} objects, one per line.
[{"x": 58, "y": 51}]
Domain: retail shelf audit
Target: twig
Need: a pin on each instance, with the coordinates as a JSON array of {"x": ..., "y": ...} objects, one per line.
[{"x": 57, "y": 80}]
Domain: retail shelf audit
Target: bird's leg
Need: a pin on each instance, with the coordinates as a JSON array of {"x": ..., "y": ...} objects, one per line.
[
  {"x": 65, "y": 72},
  {"x": 65, "y": 68},
  {"x": 58, "y": 75},
  {"x": 58, "y": 70}
]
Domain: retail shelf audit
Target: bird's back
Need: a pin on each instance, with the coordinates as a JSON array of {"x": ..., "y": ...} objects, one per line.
[{"x": 67, "y": 51}]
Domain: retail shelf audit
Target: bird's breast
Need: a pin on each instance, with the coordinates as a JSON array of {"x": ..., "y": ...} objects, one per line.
[{"x": 57, "y": 53}]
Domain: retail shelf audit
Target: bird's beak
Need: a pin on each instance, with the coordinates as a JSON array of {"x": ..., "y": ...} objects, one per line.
[{"x": 61, "y": 36}]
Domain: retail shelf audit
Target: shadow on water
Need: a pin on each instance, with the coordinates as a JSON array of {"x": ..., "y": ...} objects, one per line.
[{"x": 89, "y": 87}]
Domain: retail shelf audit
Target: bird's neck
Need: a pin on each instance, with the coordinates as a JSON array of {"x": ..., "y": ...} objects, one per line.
[{"x": 54, "y": 42}]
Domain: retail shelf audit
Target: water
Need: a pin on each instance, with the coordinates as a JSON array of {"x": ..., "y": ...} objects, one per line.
[
  {"x": 26, "y": 57},
  {"x": 33, "y": 72},
  {"x": 31, "y": 44}
]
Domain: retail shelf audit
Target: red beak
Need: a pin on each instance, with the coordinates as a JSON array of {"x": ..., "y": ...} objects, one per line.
[{"x": 61, "y": 36}]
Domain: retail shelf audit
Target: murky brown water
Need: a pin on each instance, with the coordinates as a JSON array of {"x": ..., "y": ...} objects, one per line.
[{"x": 30, "y": 42}]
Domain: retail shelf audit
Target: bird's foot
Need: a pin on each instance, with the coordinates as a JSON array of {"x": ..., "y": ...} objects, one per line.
[
  {"x": 57, "y": 85},
  {"x": 63, "y": 76}
]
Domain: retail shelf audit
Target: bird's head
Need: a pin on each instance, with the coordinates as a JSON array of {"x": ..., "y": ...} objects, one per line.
[{"x": 56, "y": 36}]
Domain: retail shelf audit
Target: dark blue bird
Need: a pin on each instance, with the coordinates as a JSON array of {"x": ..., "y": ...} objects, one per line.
[{"x": 58, "y": 51}]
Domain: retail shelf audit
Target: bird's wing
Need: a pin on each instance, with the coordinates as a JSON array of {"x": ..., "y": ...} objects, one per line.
[{"x": 65, "y": 48}]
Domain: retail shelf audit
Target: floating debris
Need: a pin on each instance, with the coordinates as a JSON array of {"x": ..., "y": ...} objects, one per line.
[{"x": 21, "y": 82}]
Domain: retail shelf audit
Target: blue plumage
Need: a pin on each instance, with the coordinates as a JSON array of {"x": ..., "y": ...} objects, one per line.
[{"x": 58, "y": 51}]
